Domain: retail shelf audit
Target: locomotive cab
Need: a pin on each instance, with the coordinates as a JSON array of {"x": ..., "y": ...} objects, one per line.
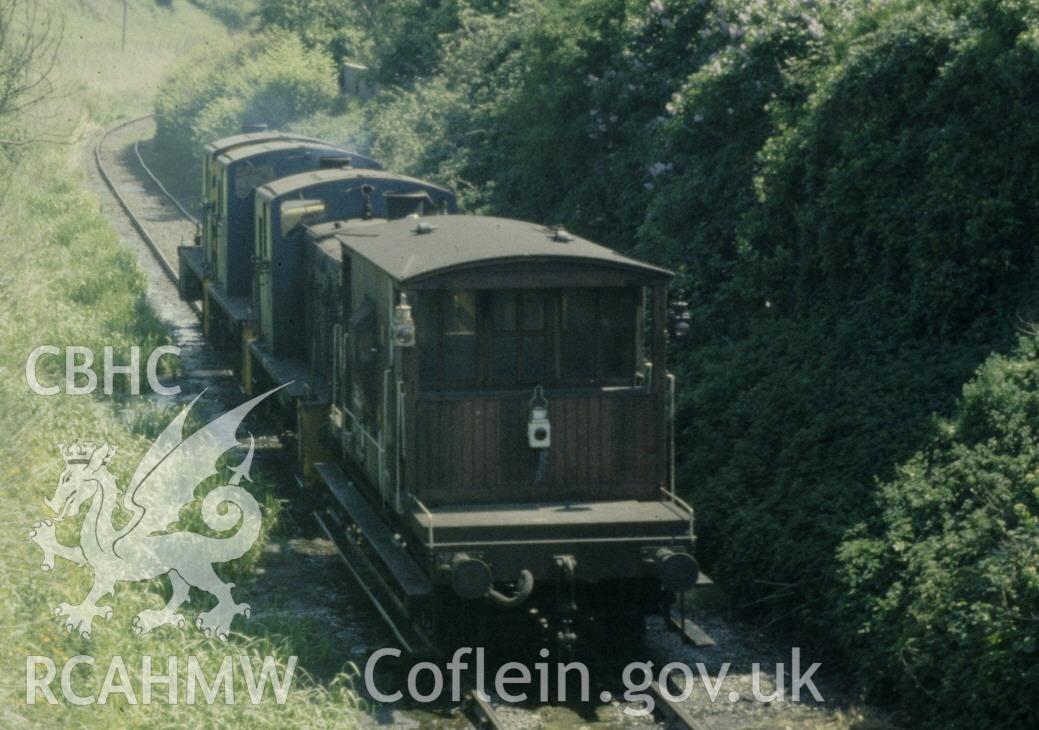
[
  {"x": 500, "y": 395},
  {"x": 219, "y": 269},
  {"x": 198, "y": 262}
]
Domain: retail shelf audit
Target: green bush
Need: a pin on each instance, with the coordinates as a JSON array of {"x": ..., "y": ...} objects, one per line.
[
  {"x": 232, "y": 13},
  {"x": 448, "y": 128},
  {"x": 902, "y": 183},
  {"x": 273, "y": 78},
  {"x": 887, "y": 250},
  {"x": 943, "y": 586},
  {"x": 718, "y": 118},
  {"x": 332, "y": 25},
  {"x": 542, "y": 110}
]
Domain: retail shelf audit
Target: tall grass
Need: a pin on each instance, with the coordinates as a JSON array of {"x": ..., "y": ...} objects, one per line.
[
  {"x": 66, "y": 280},
  {"x": 55, "y": 246},
  {"x": 113, "y": 82}
]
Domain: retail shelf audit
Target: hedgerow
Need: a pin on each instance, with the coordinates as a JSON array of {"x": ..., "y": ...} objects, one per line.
[
  {"x": 273, "y": 78},
  {"x": 232, "y": 13},
  {"x": 886, "y": 251},
  {"x": 942, "y": 587}
]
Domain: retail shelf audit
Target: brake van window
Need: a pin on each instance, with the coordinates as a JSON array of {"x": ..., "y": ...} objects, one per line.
[
  {"x": 523, "y": 337},
  {"x": 597, "y": 335},
  {"x": 459, "y": 336},
  {"x": 519, "y": 339}
]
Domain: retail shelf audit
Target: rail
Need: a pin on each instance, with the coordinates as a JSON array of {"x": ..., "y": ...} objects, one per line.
[
  {"x": 671, "y": 710},
  {"x": 356, "y": 423},
  {"x": 158, "y": 183},
  {"x": 482, "y": 713},
  {"x": 136, "y": 222}
]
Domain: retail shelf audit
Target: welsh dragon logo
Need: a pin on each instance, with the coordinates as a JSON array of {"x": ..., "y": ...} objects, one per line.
[{"x": 146, "y": 547}]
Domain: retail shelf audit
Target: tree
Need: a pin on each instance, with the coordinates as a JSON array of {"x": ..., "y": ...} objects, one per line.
[{"x": 30, "y": 38}]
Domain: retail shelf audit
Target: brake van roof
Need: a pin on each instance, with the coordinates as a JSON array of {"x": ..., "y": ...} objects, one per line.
[{"x": 455, "y": 242}]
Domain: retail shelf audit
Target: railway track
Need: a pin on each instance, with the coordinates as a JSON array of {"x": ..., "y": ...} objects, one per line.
[
  {"x": 161, "y": 230},
  {"x": 139, "y": 222},
  {"x": 152, "y": 176}
]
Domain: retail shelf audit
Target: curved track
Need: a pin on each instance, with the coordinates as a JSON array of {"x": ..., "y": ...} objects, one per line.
[
  {"x": 158, "y": 183},
  {"x": 135, "y": 220}
]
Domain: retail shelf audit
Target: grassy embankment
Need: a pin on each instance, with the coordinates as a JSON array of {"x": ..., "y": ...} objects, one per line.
[{"x": 66, "y": 280}]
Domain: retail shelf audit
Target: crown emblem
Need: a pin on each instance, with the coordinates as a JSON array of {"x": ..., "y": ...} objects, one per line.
[{"x": 76, "y": 453}]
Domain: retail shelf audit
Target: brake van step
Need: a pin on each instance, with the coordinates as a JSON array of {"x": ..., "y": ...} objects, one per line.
[
  {"x": 604, "y": 520},
  {"x": 405, "y": 571},
  {"x": 396, "y": 615}
]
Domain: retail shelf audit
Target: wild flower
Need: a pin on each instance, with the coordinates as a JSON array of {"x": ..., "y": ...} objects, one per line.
[
  {"x": 815, "y": 28},
  {"x": 659, "y": 168}
]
